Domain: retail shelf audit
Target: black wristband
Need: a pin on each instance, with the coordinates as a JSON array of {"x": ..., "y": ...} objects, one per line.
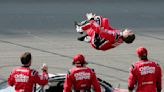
[
  {"x": 92, "y": 19},
  {"x": 158, "y": 90},
  {"x": 130, "y": 88}
]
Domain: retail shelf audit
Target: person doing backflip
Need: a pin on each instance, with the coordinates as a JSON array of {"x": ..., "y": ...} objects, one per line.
[{"x": 101, "y": 35}]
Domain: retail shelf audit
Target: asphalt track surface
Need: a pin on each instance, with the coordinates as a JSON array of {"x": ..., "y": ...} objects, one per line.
[{"x": 45, "y": 28}]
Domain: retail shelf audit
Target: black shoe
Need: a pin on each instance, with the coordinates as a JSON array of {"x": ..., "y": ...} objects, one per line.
[
  {"x": 81, "y": 23},
  {"x": 76, "y": 23},
  {"x": 81, "y": 38}
]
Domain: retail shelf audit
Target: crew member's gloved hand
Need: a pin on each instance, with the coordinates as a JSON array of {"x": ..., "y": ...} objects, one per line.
[{"x": 44, "y": 68}]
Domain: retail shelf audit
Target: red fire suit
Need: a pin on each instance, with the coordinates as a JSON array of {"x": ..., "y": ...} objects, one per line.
[
  {"x": 101, "y": 21},
  {"x": 24, "y": 79},
  {"x": 81, "y": 79},
  {"x": 109, "y": 37},
  {"x": 146, "y": 76}
]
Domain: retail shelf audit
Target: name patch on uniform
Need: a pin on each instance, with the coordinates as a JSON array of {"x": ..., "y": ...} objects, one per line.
[
  {"x": 82, "y": 75},
  {"x": 147, "y": 70},
  {"x": 21, "y": 78}
]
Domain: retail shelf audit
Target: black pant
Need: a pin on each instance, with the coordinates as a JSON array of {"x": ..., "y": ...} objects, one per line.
[{"x": 98, "y": 41}]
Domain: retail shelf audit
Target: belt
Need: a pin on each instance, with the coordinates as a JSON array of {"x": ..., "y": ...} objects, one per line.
[
  {"x": 149, "y": 82},
  {"x": 88, "y": 90}
]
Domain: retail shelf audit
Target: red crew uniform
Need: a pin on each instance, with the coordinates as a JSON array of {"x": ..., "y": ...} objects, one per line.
[
  {"x": 145, "y": 75},
  {"x": 81, "y": 78},
  {"x": 24, "y": 79}
]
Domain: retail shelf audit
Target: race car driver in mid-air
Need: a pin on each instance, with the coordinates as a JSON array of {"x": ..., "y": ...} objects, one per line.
[
  {"x": 81, "y": 78},
  {"x": 81, "y": 27},
  {"x": 101, "y": 35}
]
